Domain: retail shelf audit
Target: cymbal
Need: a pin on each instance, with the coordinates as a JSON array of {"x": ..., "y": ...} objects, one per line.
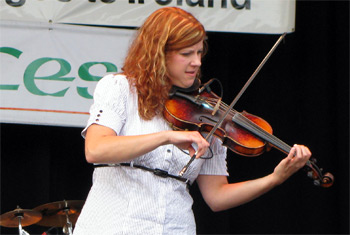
[
  {"x": 28, "y": 217},
  {"x": 54, "y": 214}
]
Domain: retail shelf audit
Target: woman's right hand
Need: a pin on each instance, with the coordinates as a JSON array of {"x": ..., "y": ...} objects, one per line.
[{"x": 192, "y": 141}]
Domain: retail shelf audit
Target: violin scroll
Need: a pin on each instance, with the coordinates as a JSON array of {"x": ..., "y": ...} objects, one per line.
[{"x": 314, "y": 172}]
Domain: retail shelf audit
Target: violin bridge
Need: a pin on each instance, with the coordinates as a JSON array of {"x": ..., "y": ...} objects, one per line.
[{"x": 216, "y": 108}]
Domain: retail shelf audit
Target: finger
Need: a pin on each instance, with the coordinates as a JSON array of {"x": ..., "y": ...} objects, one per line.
[
  {"x": 191, "y": 150},
  {"x": 301, "y": 156},
  {"x": 298, "y": 149},
  {"x": 201, "y": 145},
  {"x": 200, "y": 151},
  {"x": 303, "y": 151},
  {"x": 292, "y": 152},
  {"x": 195, "y": 150},
  {"x": 306, "y": 151}
]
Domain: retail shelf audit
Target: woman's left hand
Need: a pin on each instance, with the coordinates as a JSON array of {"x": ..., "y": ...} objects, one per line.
[{"x": 296, "y": 159}]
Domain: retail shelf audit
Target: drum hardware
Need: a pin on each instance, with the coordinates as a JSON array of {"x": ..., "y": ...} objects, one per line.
[
  {"x": 60, "y": 214},
  {"x": 20, "y": 218}
]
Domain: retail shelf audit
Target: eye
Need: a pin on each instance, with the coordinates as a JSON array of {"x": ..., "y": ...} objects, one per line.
[{"x": 186, "y": 53}]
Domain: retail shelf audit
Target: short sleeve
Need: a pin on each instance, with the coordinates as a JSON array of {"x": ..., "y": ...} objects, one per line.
[
  {"x": 216, "y": 165},
  {"x": 109, "y": 103}
]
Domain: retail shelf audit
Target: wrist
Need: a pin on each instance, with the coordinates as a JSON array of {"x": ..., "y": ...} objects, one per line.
[
  {"x": 166, "y": 137},
  {"x": 274, "y": 180}
]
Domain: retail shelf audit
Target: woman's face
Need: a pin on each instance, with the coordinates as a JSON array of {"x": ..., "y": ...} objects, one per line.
[{"x": 183, "y": 65}]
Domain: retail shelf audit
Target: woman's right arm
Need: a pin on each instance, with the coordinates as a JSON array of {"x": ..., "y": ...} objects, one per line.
[{"x": 103, "y": 145}]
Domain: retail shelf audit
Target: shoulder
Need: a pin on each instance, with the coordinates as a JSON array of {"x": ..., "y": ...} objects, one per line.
[
  {"x": 113, "y": 80},
  {"x": 112, "y": 83}
]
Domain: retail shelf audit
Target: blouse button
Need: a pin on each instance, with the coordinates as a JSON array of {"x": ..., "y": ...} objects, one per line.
[
  {"x": 168, "y": 150},
  {"x": 98, "y": 115},
  {"x": 97, "y": 120},
  {"x": 101, "y": 111}
]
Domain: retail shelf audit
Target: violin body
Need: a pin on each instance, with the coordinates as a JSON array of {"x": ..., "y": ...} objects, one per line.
[{"x": 185, "y": 115}]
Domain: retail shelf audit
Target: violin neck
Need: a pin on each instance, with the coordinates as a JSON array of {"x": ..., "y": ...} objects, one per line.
[{"x": 250, "y": 126}]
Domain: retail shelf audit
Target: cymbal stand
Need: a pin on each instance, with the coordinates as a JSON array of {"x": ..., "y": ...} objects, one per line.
[
  {"x": 68, "y": 228},
  {"x": 21, "y": 231}
]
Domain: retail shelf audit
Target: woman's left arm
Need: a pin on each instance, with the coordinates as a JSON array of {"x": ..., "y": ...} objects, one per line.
[{"x": 221, "y": 195}]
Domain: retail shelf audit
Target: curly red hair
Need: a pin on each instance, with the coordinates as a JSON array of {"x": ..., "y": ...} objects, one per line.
[{"x": 166, "y": 29}]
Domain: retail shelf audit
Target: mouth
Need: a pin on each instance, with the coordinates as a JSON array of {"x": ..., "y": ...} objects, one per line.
[{"x": 191, "y": 73}]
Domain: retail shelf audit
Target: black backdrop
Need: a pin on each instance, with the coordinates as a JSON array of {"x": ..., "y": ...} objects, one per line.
[{"x": 302, "y": 91}]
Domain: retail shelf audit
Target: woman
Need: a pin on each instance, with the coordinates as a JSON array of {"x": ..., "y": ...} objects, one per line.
[{"x": 136, "y": 188}]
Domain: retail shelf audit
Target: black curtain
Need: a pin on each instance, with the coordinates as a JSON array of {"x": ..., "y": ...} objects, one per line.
[{"x": 302, "y": 92}]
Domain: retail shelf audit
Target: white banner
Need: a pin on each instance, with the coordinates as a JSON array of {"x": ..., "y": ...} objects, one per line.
[
  {"x": 48, "y": 69},
  {"x": 48, "y": 72},
  {"x": 247, "y": 16}
]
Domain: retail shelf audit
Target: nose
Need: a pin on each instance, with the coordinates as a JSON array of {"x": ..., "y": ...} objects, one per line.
[{"x": 197, "y": 60}]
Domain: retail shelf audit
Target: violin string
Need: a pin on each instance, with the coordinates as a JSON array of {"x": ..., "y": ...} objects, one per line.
[
  {"x": 279, "y": 143},
  {"x": 264, "y": 134},
  {"x": 251, "y": 125}
]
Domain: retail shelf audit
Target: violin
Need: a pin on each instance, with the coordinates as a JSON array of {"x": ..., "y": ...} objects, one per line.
[{"x": 241, "y": 132}]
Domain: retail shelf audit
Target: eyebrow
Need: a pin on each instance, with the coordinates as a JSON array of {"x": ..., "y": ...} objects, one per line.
[{"x": 190, "y": 50}]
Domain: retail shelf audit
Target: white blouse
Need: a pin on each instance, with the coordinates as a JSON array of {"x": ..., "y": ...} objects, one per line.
[{"x": 126, "y": 200}]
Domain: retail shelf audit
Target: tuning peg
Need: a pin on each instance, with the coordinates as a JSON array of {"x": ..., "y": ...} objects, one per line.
[
  {"x": 310, "y": 174},
  {"x": 317, "y": 182}
]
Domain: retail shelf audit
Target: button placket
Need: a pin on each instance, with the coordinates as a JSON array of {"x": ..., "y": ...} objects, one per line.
[
  {"x": 168, "y": 155},
  {"x": 99, "y": 115}
]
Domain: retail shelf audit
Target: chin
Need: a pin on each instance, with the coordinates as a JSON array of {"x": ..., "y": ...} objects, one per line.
[
  {"x": 188, "y": 86},
  {"x": 190, "y": 83},
  {"x": 186, "y": 83}
]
